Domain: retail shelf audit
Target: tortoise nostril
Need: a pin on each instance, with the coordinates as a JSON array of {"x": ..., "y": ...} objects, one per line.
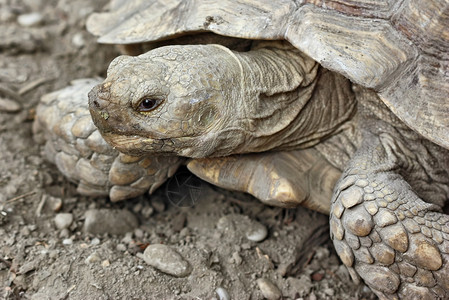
[{"x": 99, "y": 98}]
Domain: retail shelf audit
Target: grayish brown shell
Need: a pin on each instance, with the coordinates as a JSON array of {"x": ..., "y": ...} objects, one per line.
[{"x": 398, "y": 48}]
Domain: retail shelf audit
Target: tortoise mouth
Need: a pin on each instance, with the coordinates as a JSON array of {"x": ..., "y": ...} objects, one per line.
[{"x": 140, "y": 145}]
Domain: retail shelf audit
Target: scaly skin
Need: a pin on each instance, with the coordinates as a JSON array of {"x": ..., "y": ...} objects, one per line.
[
  {"x": 74, "y": 145},
  {"x": 215, "y": 102},
  {"x": 378, "y": 205},
  {"x": 386, "y": 218}
]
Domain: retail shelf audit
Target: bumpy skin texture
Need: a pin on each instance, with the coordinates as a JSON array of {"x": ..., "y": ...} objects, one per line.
[
  {"x": 215, "y": 102},
  {"x": 282, "y": 178},
  {"x": 397, "y": 48},
  {"x": 74, "y": 145},
  {"x": 394, "y": 184},
  {"x": 63, "y": 123},
  {"x": 386, "y": 218}
]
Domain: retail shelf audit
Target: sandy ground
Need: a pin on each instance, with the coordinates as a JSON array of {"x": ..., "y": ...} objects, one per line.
[{"x": 42, "y": 259}]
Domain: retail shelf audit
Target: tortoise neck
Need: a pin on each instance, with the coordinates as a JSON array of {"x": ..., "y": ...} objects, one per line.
[{"x": 291, "y": 102}]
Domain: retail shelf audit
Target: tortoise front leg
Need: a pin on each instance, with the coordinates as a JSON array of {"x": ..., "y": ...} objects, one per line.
[
  {"x": 382, "y": 227},
  {"x": 285, "y": 178}
]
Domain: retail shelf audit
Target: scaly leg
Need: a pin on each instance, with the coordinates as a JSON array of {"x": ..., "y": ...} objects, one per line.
[
  {"x": 285, "y": 178},
  {"x": 386, "y": 217}
]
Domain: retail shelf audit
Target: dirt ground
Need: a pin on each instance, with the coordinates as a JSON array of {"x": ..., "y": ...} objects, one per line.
[{"x": 43, "y": 52}]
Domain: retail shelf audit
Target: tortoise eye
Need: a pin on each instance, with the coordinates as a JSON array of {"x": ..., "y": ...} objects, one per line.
[{"x": 148, "y": 104}]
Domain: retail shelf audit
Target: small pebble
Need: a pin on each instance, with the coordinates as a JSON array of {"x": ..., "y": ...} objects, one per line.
[
  {"x": 246, "y": 246},
  {"x": 95, "y": 241},
  {"x": 147, "y": 212},
  {"x": 366, "y": 289},
  {"x": 222, "y": 293},
  {"x": 242, "y": 225},
  {"x": 329, "y": 292},
  {"x": 121, "y": 247},
  {"x": 321, "y": 253},
  {"x": 256, "y": 232},
  {"x": 31, "y": 19},
  {"x": 105, "y": 263},
  {"x": 137, "y": 208},
  {"x": 113, "y": 221},
  {"x": 67, "y": 242},
  {"x": 78, "y": 40},
  {"x": 166, "y": 260},
  {"x": 269, "y": 290},
  {"x": 63, "y": 220},
  {"x": 317, "y": 276},
  {"x": 138, "y": 233},
  {"x": 7, "y": 105},
  {"x": 93, "y": 258},
  {"x": 54, "y": 203},
  {"x": 128, "y": 238}
]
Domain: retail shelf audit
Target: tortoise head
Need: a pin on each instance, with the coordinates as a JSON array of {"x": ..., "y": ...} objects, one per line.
[{"x": 170, "y": 100}]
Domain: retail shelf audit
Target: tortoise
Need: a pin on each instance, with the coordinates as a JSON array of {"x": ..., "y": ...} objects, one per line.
[{"x": 340, "y": 106}]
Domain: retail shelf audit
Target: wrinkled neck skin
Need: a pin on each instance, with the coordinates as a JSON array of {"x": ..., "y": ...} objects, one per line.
[
  {"x": 296, "y": 104},
  {"x": 217, "y": 102}
]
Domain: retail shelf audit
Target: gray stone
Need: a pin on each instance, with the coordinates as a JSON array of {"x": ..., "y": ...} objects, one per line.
[
  {"x": 78, "y": 40},
  {"x": 269, "y": 290},
  {"x": 67, "y": 242},
  {"x": 113, "y": 221},
  {"x": 63, "y": 220},
  {"x": 31, "y": 19},
  {"x": 7, "y": 105},
  {"x": 93, "y": 258},
  {"x": 222, "y": 294},
  {"x": 166, "y": 260},
  {"x": 121, "y": 247},
  {"x": 256, "y": 232},
  {"x": 95, "y": 241}
]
